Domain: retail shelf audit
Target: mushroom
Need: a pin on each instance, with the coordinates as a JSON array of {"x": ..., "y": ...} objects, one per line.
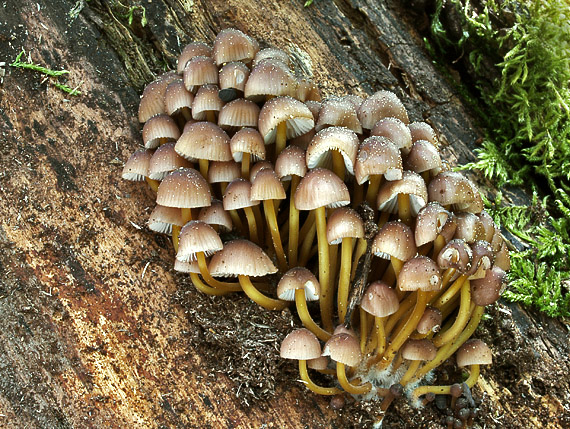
[{"x": 379, "y": 300}]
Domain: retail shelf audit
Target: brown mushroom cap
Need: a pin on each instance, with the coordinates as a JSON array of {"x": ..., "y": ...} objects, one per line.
[
  {"x": 451, "y": 189},
  {"x": 197, "y": 236},
  {"x": 382, "y": 104},
  {"x": 419, "y": 350},
  {"x": 487, "y": 290},
  {"x": 291, "y": 161},
  {"x": 247, "y": 140},
  {"x": 237, "y": 114},
  {"x": 455, "y": 254},
  {"x": 395, "y": 239},
  {"x": 469, "y": 227},
  {"x": 164, "y": 160},
  {"x": 411, "y": 184},
  {"x": 429, "y": 223},
  {"x": 206, "y": 100},
  {"x": 344, "y": 223},
  {"x": 177, "y": 97},
  {"x": 267, "y": 186},
  {"x": 152, "y": 101},
  {"x": 269, "y": 78},
  {"x": 395, "y": 130},
  {"x": 423, "y": 156},
  {"x": 184, "y": 188},
  {"x": 338, "y": 112},
  {"x": 232, "y": 77},
  {"x": 430, "y": 321},
  {"x": 241, "y": 257},
  {"x": 136, "y": 167},
  {"x": 186, "y": 267},
  {"x": 271, "y": 54},
  {"x": 159, "y": 127},
  {"x": 419, "y": 273},
  {"x": 298, "y": 278},
  {"x": 301, "y": 344},
  {"x": 194, "y": 49},
  {"x": 378, "y": 155},
  {"x": 162, "y": 218},
  {"x": 223, "y": 171},
  {"x": 204, "y": 140},
  {"x": 325, "y": 141},
  {"x": 343, "y": 348},
  {"x": 380, "y": 300},
  {"x": 296, "y": 114},
  {"x": 423, "y": 131},
  {"x": 238, "y": 195},
  {"x": 216, "y": 215},
  {"x": 307, "y": 90},
  {"x": 200, "y": 71},
  {"x": 483, "y": 259},
  {"x": 321, "y": 188},
  {"x": 232, "y": 44},
  {"x": 474, "y": 352}
]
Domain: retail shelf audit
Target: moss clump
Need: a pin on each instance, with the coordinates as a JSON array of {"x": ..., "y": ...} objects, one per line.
[{"x": 526, "y": 97}]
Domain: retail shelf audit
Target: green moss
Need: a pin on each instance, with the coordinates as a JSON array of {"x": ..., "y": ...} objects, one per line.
[{"x": 528, "y": 129}]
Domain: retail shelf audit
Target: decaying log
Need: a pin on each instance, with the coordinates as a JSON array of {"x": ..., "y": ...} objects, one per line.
[{"x": 97, "y": 330}]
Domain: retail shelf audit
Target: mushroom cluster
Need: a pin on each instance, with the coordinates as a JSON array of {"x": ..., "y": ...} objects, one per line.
[{"x": 340, "y": 201}]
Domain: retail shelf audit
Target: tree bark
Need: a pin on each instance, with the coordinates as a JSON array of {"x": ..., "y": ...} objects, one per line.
[{"x": 98, "y": 331}]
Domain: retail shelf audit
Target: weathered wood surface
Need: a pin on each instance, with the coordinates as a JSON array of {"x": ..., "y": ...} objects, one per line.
[{"x": 97, "y": 331}]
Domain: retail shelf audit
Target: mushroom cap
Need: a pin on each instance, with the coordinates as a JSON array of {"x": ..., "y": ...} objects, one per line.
[
  {"x": 272, "y": 54},
  {"x": 419, "y": 350},
  {"x": 200, "y": 71},
  {"x": 257, "y": 167},
  {"x": 298, "y": 278},
  {"x": 241, "y": 257},
  {"x": 469, "y": 227},
  {"x": 291, "y": 161},
  {"x": 206, "y": 100},
  {"x": 162, "y": 218},
  {"x": 197, "y": 236},
  {"x": 157, "y": 128},
  {"x": 343, "y": 348},
  {"x": 164, "y": 160},
  {"x": 450, "y": 188},
  {"x": 194, "y": 49},
  {"x": 307, "y": 90},
  {"x": 419, "y": 273},
  {"x": 411, "y": 184},
  {"x": 344, "y": 223},
  {"x": 382, "y": 104},
  {"x": 177, "y": 97},
  {"x": 232, "y": 44},
  {"x": 296, "y": 114},
  {"x": 301, "y": 344},
  {"x": 423, "y": 156},
  {"x": 325, "y": 141},
  {"x": 395, "y": 130},
  {"x": 488, "y": 289},
  {"x": 321, "y": 188},
  {"x": 223, "y": 171},
  {"x": 247, "y": 140},
  {"x": 267, "y": 186},
  {"x": 238, "y": 195},
  {"x": 455, "y": 254},
  {"x": 184, "y": 188},
  {"x": 395, "y": 239},
  {"x": 430, "y": 321},
  {"x": 216, "y": 215},
  {"x": 483, "y": 259},
  {"x": 338, "y": 112},
  {"x": 269, "y": 77},
  {"x": 321, "y": 363},
  {"x": 204, "y": 140},
  {"x": 429, "y": 223},
  {"x": 380, "y": 300},
  {"x": 474, "y": 352},
  {"x": 423, "y": 131},
  {"x": 186, "y": 267},
  {"x": 237, "y": 114},
  {"x": 232, "y": 77},
  {"x": 152, "y": 100},
  {"x": 378, "y": 155},
  {"x": 136, "y": 167}
]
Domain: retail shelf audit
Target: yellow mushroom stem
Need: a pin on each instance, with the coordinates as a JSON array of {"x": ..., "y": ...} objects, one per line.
[
  {"x": 362, "y": 389},
  {"x": 338, "y": 164},
  {"x": 405, "y": 305},
  {"x": 252, "y": 224},
  {"x": 280, "y": 138},
  {"x": 210, "y": 281},
  {"x": 312, "y": 386},
  {"x": 447, "y": 350},
  {"x": 305, "y": 316},
  {"x": 380, "y": 335},
  {"x": 327, "y": 296},
  {"x": 307, "y": 245},
  {"x": 211, "y": 116},
  {"x": 384, "y": 216},
  {"x": 465, "y": 309},
  {"x": 438, "y": 244},
  {"x": 186, "y": 215},
  {"x": 405, "y": 209},
  {"x": 449, "y": 293},
  {"x": 344, "y": 277},
  {"x": 374, "y": 182},
  {"x": 293, "y": 244},
  {"x": 363, "y": 329},
  {"x": 357, "y": 194},
  {"x": 358, "y": 253},
  {"x": 258, "y": 297},
  {"x": 437, "y": 390},
  {"x": 204, "y": 165},
  {"x": 406, "y": 330},
  {"x": 271, "y": 218},
  {"x": 412, "y": 368},
  {"x": 473, "y": 376},
  {"x": 245, "y": 160},
  {"x": 202, "y": 287},
  {"x": 152, "y": 183},
  {"x": 236, "y": 220}
]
